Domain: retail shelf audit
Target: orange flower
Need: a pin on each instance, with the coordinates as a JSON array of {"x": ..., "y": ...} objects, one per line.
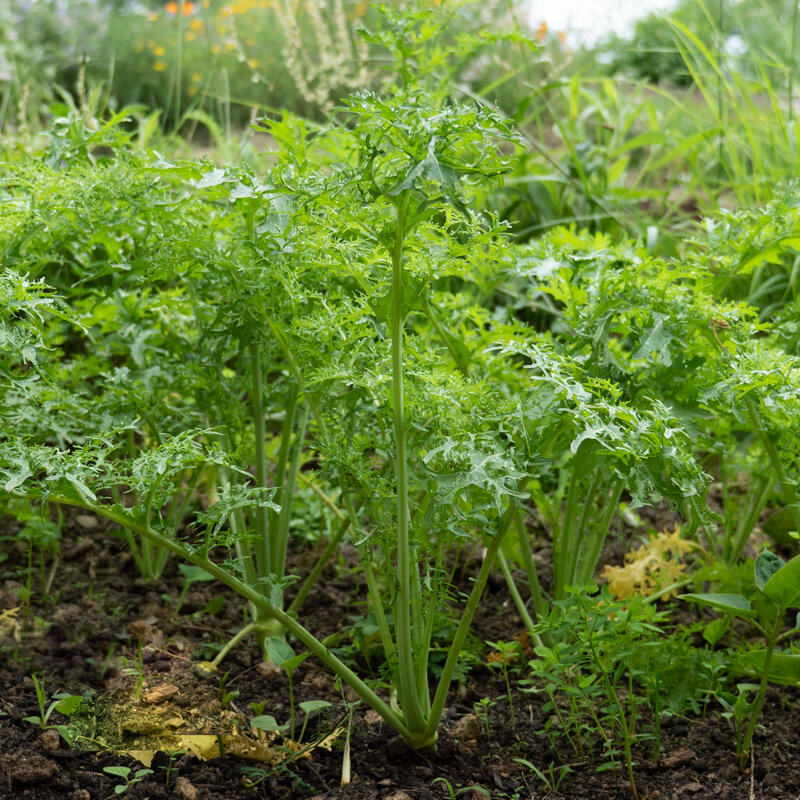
[
  {"x": 173, "y": 7},
  {"x": 542, "y": 32}
]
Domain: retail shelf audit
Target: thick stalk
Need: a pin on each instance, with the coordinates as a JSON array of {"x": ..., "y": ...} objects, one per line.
[
  {"x": 260, "y": 513},
  {"x": 789, "y": 495},
  {"x": 755, "y": 709},
  {"x": 454, "y": 652},
  {"x": 732, "y": 546},
  {"x": 287, "y": 430},
  {"x": 374, "y": 595},
  {"x": 519, "y": 603},
  {"x": 583, "y": 522},
  {"x": 524, "y": 541},
  {"x": 288, "y": 485},
  {"x": 587, "y": 567},
  {"x": 565, "y": 554},
  {"x": 403, "y": 633}
]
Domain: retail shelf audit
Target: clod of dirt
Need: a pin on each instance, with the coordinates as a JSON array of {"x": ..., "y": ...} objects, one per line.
[
  {"x": 399, "y": 796},
  {"x": 185, "y": 790},
  {"x": 160, "y": 693},
  {"x": 467, "y": 728},
  {"x": 677, "y": 758},
  {"x": 689, "y": 788},
  {"x": 33, "y": 768},
  {"x": 269, "y": 669},
  {"x": 50, "y": 739},
  {"x": 372, "y": 717},
  {"x": 86, "y": 521}
]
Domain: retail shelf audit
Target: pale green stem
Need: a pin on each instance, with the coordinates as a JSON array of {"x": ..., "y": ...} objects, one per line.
[
  {"x": 519, "y": 603},
  {"x": 286, "y": 441},
  {"x": 733, "y": 546},
  {"x": 403, "y": 615},
  {"x": 755, "y": 708},
  {"x": 524, "y": 540},
  {"x": 460, "y": 637},
  {"x": 588, "y": 566},
  {"x": 789, "y": 495},
  {"x": 260, "y": 513},
  {"x": 287, "y": 497}
]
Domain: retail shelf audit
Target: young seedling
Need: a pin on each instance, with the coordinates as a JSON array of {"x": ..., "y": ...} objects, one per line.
[
  {"x": 505, "y": 653},
  {"x": 125, "y": 774},
  {"x": 65, "y": 704},
  {"x": 778, "y": 584},
  {"x": 552, "y": 779}
]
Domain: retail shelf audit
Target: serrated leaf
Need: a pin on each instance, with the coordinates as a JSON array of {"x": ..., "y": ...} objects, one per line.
[
  {"x": 81, "y": 488},
  {"x": 214, "y": 178},
  {"x": 657, "y": 341},
  {"x": 431, "y": 168},
  {"x": 19, "y": 475}
]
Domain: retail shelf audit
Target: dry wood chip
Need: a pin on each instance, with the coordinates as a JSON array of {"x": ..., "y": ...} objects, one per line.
[
  {"x": 160, "y": 693},
  {"x": 677, "y": 758}
]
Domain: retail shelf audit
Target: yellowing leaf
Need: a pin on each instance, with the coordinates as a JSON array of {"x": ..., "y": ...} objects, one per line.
[{"x": 650, "y": 568}]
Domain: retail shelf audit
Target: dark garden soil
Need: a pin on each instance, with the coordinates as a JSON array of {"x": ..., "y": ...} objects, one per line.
[{"x": 101, "y": 614}]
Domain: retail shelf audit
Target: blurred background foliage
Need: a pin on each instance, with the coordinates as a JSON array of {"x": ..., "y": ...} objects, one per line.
[{"x": 644, "y": 135}]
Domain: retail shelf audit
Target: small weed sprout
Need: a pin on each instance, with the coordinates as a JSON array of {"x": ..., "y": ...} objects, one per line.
[{"x": 128, "y": 775}]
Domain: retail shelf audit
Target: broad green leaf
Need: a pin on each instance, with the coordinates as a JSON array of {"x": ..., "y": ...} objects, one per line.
[
  {"x": 121, "y": 772},
  {"x": 291, "y": 664},
  {"x": 780, "y": 525},
  {"x": 193, "y": 574},
  {"x": 716, "y": 629},
  {"x": 277, "y": 650},
  {"x": 266, "y": 722},
  {"x": 784, "y": 668},
  {"x": 767, "y": 564},
  {"x": 730, "y": 603},
  {"x": 783, "y": 587},
  {"x": 69, "y": 705},
  {"x": 314, "y": 705},
  {"x": 67, "y": 734}
]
